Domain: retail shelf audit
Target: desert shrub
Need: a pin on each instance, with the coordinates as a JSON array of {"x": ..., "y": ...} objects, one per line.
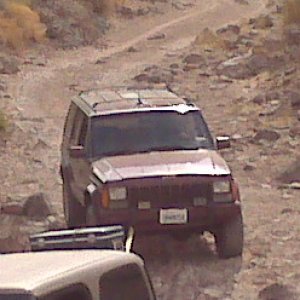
[
  {"x": 71, "y": 23},
  {"x": 292, "y": 12},
  {"x": 19, "y": 24}
]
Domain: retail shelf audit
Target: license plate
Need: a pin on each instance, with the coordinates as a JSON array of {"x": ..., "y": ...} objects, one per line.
[{"x": 173, "y": 216}]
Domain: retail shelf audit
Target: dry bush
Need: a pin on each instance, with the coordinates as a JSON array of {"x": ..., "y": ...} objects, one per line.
[
  {"x": 209, "y": 40},
  {"x": 292, "y": 12},
  {"x": 19, "y": 24}
]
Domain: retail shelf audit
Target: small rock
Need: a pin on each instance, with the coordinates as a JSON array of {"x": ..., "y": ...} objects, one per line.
[
  {"x": 298, "y": 115},
  {"x": 174, "y": 66},
  {"x": 292, "y": 173},
  {"x": 36, "y": 207},
  {"x": 141, "y": 77},
  {"x": 235, "y": 29},
  {"x": 249, "y": 167},
  {"x": 271, "y": 95},
  {"x": 243, "y": 2},
  {"x": 267, "y": 135},
  {"x": 157, "y": 36},
  {"x": 193, "y": 59},
  {"x": 12, "y": 209},
  {"x": 259, "y": 99},
  {"x": 132, "y": 49},
  {"x": 294, "y": 98},
  {"x": 100, "y": 61},
  {"x": 287, "y": 211},
  {"x": 295, "y": 131}
]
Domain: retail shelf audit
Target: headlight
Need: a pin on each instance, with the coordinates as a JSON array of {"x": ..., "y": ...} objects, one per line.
[
  {"x": 221, "y": 187},
  {"x": 117, "y": 193}
]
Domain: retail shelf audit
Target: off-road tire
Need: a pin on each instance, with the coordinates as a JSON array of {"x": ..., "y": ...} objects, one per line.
[
  {"x": 73, "y": 211},
  {"x": 230, "y": 238}
]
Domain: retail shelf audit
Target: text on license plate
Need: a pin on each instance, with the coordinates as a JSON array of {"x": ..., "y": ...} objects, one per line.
[{"x": 173, "y": 216}]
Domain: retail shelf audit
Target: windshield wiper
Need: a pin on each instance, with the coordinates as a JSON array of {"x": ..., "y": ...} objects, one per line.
[{"x": 174, "y": 148}]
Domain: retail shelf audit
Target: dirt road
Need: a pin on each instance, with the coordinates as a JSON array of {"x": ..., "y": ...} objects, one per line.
[{"x": 180, "y": 271}]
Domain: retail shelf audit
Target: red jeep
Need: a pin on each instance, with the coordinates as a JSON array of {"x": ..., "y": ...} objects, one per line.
[{"x": 146, "y": 158}]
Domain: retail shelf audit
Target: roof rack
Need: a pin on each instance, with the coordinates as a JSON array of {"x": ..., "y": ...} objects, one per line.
[{"x": 126, "y": 94}]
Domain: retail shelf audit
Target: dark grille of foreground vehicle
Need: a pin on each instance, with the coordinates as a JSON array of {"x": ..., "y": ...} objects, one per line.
[
  {"x": 109, "y": 237},
  {"x": 175, "y": 195}
]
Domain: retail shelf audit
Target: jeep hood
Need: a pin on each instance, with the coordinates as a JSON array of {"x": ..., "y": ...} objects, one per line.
[{"x": 155, "y": 164}]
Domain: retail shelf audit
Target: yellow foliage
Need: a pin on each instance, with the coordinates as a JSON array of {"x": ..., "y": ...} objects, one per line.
[{"x": 19, "y": 24}]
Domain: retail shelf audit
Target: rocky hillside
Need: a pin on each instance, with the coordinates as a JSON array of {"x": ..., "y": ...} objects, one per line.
[{"x": 243, "y": 70}]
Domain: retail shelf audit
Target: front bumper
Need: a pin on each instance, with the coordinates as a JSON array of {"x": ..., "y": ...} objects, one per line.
[{"x": 147, "y": 220}]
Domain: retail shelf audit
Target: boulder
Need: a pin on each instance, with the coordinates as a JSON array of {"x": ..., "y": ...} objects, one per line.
[
  {"x": 36, "y": 207},
  {"x": 267, "y": 135},
  {"x": 258, "y": 63},
  {"x": 141, "y": 77},
  {"x": 262, "y": 22},
  {"x": 239, "y": 71},
  {"x": 277, "y": 291},
  {"x": 292, "y": 173}
]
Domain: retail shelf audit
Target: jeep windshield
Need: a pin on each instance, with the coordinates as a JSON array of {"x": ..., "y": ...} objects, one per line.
[{"x": 138, "y": 132}]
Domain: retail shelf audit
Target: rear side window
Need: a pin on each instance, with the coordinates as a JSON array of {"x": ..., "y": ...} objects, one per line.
[
  {"x": 74, "y": 292},
  {"x": 79, "y": 130},
  {"x": 124, "y": 283},
  {"x": 69, "y": 123}
]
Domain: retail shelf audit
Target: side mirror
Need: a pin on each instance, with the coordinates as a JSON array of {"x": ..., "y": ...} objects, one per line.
[
  {"x": 223, "y": 142},
  {"x": 77, "y": 151}
]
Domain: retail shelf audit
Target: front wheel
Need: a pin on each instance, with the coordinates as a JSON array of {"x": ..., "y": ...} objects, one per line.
[
  {"x": 230, "y": 238},
  {"x": 73, "y": 210}
]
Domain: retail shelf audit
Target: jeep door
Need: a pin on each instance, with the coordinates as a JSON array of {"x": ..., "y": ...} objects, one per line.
[{"x": 75, "y": 164}]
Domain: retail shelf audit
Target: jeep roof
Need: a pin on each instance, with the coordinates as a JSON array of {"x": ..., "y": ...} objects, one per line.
[
  {"x": 110, "y": 101},
  {"x": 43, "y": 272}
]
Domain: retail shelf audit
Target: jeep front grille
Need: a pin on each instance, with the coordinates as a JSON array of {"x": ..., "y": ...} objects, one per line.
[{"x": 164, "y": 196}]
